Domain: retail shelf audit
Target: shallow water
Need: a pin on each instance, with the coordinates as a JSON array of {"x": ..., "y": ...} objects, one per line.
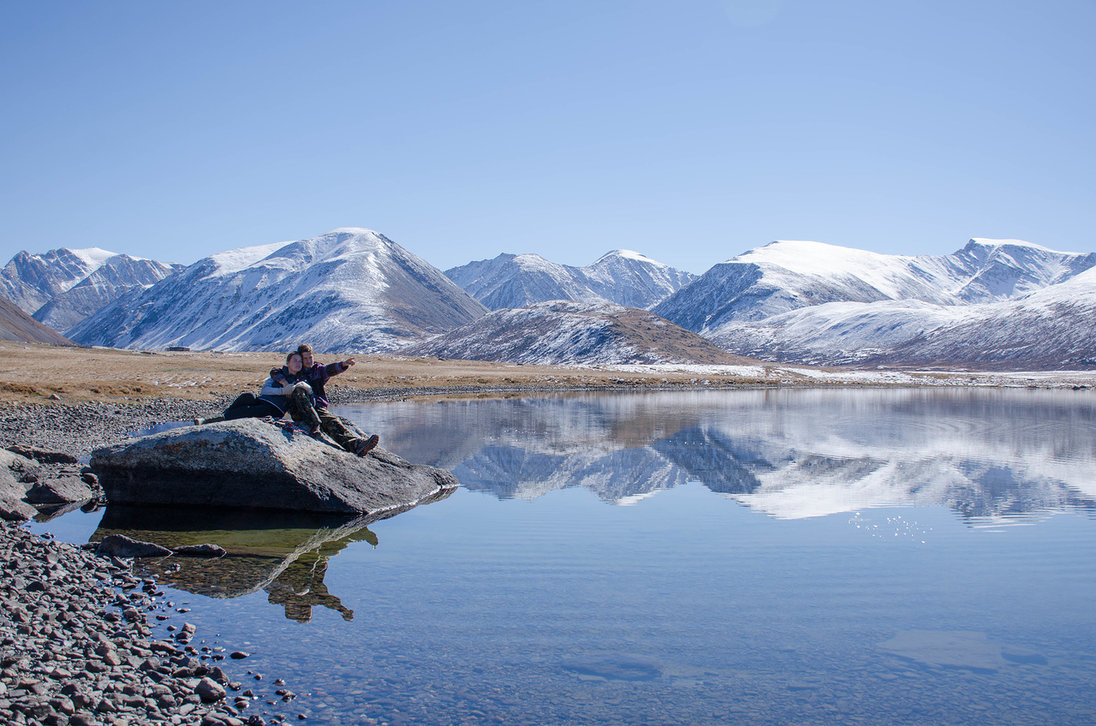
[{"x": 807, "y": 556}]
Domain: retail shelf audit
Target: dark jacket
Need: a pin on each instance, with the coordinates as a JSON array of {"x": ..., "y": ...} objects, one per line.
[{"x": 316, "y": 377}]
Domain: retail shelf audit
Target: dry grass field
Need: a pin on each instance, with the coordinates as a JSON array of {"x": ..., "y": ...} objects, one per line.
[{"x": 41, "y": 373}]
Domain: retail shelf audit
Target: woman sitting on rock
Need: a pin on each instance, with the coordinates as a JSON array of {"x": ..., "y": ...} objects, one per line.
[{"x": 271, "y": 400}]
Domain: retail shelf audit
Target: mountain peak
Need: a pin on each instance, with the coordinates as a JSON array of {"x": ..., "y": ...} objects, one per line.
[
  {"x": 814, "y": 258},
  {"x": 348, "y": 290},
  {"x": 629, "y": 255},
  {"x": 93, "y": 256},
  {"x": 985, "y": 242},
  {"x": 357, "y": 231}
]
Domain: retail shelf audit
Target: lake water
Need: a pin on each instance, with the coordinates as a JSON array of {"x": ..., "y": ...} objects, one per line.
[{"x": 763, "y": 556}]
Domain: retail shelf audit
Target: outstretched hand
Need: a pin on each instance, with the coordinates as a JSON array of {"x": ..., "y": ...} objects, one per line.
[{"x": 348, "y": 362}]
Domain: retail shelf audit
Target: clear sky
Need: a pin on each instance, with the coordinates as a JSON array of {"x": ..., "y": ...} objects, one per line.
[{"x": 689, "y": 131}]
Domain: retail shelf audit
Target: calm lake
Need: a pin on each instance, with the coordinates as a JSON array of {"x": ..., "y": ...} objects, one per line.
[{"x": 758, "y": 556}]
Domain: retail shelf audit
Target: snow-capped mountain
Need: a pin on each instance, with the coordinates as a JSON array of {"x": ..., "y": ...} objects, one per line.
[
  {"x": 622, "y": 276},
  {"x": 30, "y": 281},
  {"x": 564, "y": 332},
  {"x": 814, "y": 303},
  {"x": 117, "y": 275},
  {"x": 62, "y": 287},
  {"x": 1053, "y": 328},
  {"x": 348, "y": 290},
  {"x": 17, "y": 325}
]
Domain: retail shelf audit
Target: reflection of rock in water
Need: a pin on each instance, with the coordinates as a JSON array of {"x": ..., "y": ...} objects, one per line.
[{"x": 286, "y": 554}]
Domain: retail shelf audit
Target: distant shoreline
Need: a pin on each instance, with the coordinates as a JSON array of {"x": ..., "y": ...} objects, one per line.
[{"x": 50, "y": 375}]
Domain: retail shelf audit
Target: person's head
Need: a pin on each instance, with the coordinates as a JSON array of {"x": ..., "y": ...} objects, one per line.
[
  {"x": 294, "y": 362},
  {"x": 306, "y": 354}
]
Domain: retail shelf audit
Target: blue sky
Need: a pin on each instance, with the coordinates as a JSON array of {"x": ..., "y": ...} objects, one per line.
[{"x": 689, "y": 131}]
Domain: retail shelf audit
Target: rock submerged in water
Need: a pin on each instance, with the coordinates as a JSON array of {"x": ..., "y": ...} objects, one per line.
[
  {"x": 117, "y": 545},
  {"x": 248, "y": 463}
]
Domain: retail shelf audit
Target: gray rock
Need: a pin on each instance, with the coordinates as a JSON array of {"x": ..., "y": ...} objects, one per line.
[
  {"x": 202, "y": 550},
  {"x": 61, "y": 490},
  {"x": 209, "y": 690},
  {"x": 14, "y": 470},
  {"x": 249, "y": 463},
  {"x": 44, "y": 456},
  {"x": 41, "y": 477},
  {"x": 118, "y": 545},
  {"x": 12, "y": 509}
]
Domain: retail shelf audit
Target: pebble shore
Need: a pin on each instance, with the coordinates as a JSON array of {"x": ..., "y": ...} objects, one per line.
[{"x": 77, "y": 647}]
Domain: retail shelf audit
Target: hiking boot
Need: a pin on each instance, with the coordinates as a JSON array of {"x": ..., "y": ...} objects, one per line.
[{"x": 364, "y": 446}]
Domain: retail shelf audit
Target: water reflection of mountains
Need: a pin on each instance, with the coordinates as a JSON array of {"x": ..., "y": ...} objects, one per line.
[{"x": 987, "y": 455}]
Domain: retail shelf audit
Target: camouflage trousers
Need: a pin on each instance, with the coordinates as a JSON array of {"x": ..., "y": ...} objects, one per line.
[{"x": 303, "y": 411}]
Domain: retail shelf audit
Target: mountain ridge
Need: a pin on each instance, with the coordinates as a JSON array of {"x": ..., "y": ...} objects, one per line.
[
  {"x": 621, "y": 276},
  {"x": 807, "y": 302},
  {"x": 61, "y": 287},
  {"x": 567, "y": 332},
  {"x": 350, "y": 289}
]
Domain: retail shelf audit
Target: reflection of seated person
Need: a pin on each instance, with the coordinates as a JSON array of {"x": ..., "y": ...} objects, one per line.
[
  {"x": 298, "y": 597},
  {"x": 300, "y": 586}
]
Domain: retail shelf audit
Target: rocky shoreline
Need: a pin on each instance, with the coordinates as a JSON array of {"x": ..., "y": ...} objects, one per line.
[{"x": 78, "y": 647}]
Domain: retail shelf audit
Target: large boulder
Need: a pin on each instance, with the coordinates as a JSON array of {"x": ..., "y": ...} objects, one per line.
[
  {"x": 13, "y": 490},
  {"x": 248, "y": 463},
  {"x": 31, "y": 478}
]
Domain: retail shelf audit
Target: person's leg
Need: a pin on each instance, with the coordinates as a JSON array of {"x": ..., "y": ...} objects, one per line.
[
  {"x": 343, "y": 436},
  {"x": 242, "y": 401},
  {"x": 254, "y": 410},
  {"x": 302, "y": 410}
]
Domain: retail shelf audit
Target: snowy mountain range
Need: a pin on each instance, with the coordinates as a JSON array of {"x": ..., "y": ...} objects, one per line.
[
  {"x": 622, "y": 277},
  {"x": 62, "y": 287},
  {"x": 32, "y": 280},
  {"x": 348, "y": 290},
  {"x": 563, "y": 332},
  {"x": 993, "y": 302}
]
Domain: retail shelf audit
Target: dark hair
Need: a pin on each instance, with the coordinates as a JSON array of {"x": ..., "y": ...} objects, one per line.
[
  {"x": 290, "y": 355},
  {"x": 303, "y": 347}
]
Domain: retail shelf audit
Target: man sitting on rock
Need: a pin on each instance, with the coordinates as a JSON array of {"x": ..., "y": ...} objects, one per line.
[{"x": 302, "y": 382}]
